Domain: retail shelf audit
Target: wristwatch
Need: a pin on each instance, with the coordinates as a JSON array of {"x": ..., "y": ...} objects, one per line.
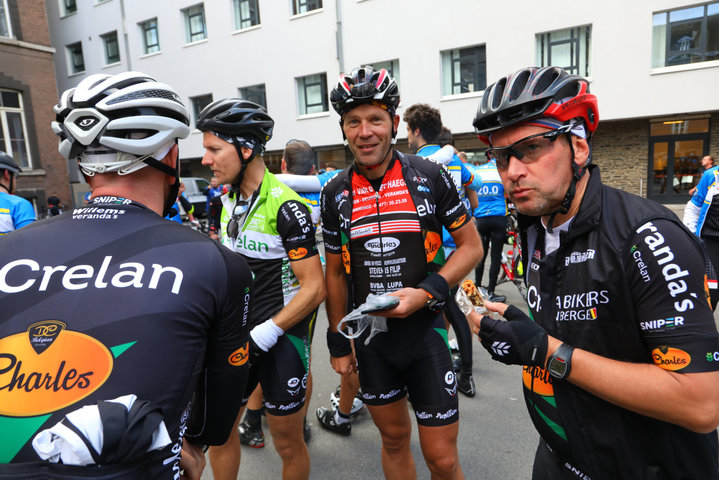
[
  {"x": 560, "y": 362},
  {"x": 432, "y": 304}
]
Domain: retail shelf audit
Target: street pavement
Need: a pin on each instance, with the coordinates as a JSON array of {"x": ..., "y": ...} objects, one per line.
[{"x": 496, "y": 438}]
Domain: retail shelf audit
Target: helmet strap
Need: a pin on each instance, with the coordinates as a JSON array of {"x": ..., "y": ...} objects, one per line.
[
  {"x": 174, "y": 188},
  {"x": 577, "y": 174},
  {"x": 243, "y": 162}
]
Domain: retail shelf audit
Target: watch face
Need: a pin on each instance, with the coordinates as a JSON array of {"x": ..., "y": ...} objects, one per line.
[{"x": 558, "y": 367}]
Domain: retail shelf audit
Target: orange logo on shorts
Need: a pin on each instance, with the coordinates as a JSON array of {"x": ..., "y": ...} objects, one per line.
[
  {"x": 239, "y": 357},
  {"x": 670, "y": 358},
  {"x": 48, "y": 368},
  {"x": 297, "y": 253}
]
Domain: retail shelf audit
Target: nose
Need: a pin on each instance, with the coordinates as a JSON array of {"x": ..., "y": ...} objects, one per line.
[
  {"x": 515, "y": 168},
  {"x": 206, "y": 160},
  {"x": 364, "y": 129}
]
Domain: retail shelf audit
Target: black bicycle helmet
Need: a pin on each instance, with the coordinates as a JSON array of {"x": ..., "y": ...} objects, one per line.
[
  {"x": 7, "y": 163},
  {"x": 234, "y": 120},
  {"x": 235, "y": 117},
  {"x": 365, "y": 85},
  {"x": 535, "y": 92}
]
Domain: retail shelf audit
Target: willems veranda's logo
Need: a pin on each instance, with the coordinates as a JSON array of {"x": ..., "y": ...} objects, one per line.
[{"x": 48, "y": 367}]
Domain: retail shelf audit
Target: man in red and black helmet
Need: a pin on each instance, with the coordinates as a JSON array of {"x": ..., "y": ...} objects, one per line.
[
  {"x": 382, "y": 221},
  {"x": 621, "y": 354}
]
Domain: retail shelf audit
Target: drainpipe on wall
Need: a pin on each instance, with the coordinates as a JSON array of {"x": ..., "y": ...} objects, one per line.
[
  {"x": 125, "y": 35},
  {"x": 340, "y": 46}
]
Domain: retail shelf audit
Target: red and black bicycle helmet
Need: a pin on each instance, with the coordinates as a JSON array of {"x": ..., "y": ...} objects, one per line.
[
  {"x": 365, "y": 85},
  {"x": 532, "y": 93}
]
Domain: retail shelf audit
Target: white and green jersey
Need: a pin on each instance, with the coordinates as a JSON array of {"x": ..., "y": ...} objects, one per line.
[{"x": 276, "y": 230}]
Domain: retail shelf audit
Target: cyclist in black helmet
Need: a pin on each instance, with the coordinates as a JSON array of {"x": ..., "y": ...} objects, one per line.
[
  {"x": 270, "y": 226},
  {"x": 621, "y": 356},
  {"x": 120, "y": 358},
  {"x": 382, "y": 227}
]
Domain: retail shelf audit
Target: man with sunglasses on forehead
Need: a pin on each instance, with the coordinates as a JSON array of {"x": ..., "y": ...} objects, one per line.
[
  {"x": 270, "y": 226},
  {"x": 382, "y": 226},
  {"x": 621, "y": 354}
]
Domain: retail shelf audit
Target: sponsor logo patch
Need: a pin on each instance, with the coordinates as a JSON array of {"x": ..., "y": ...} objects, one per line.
[
  {"x": 297, "y": 253},
  {"x": 240, "y": 356},
  {"x": 670, "y": 358}
]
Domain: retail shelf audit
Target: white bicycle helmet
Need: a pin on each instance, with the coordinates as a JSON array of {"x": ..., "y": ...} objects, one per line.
[{"x": 119, "y": 123}]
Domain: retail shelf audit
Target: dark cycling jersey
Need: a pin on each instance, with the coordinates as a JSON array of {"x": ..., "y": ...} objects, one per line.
[
  {"x": 276, "y": 231},
  {"x": 110, "y": 300},
  {"x": 389, "y": 236},
  {"x": 630, "y": 286}
]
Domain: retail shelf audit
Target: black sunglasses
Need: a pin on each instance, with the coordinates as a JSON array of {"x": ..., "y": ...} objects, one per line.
[{"x": 527, "y": 149}]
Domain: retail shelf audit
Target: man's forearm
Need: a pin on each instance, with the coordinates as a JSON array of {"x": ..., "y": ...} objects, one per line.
[
  {"x": 468, "y": 254},
  {"x": 336, "y": 286},
  {"x": 690, "y": 400}
]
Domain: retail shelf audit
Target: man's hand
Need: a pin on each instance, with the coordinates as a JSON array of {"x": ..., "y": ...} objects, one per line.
[
  {"x": 518, "y": 341},
  {"x": 192, "y": 461},
  {"x": 410, "y": 300},
  {"x": 344, "y": 365}
]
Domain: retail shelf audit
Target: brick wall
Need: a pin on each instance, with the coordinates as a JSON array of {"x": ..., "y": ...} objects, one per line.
[
  {"x": 31, "y": 72},
  {"x": 621, "y": 150}
]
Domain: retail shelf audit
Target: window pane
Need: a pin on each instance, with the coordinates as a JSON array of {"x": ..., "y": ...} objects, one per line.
[
  {"x": 17, "y": 138},
  {"x": 10, "y": 99},
  {"x": 680, "y": 127},
  {"x": 312, "y": 91},
  {"x": 150, "y": 36},
  {"x": 568, "y": 48},
  {"x": 466, "y": 70},
  {"x": 303, "y": 6},
  {"x": 392, "y": 68},
  {"x": 200, "y": 102},
  {"x": 254, "y": 93},
  {"x": 247, "y": 13},
  {"x": 686, "y": 35},
  {"x": 112, "y": 52},
  {"x": 195, "y": 23},
  {"x": 77, "y": 62},
  {"x": 70, "y": 6},
  {"x": 4, "y": 25}
]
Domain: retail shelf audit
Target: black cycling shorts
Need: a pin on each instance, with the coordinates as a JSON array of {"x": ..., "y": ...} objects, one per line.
[
  {"x": 282, "y": 372},
  {"x": 412, "y": 357}
]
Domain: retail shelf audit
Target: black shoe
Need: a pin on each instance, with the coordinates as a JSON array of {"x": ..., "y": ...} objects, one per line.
[
  {"x": 306, "y": 433},
  {"x": 465, "y": 384},
  {"x": 252, "y": 437},
  {"x": 327, "y": 420},
  {"x": 456, "y": 362},
  {"x": 496, "y": 298}
]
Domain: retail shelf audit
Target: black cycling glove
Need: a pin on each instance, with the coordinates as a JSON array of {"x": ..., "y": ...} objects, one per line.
[
  {"x": 255, "y": 352},
  {"x": 518, "y": 341}
]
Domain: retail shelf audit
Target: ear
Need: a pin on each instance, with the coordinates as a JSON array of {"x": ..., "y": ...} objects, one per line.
[
  {"x": 581, "y": 150},
  {"x": 395, "y": 122},
  {"x": 172, "y": 160},
  {"x": 283, "y": 165}
]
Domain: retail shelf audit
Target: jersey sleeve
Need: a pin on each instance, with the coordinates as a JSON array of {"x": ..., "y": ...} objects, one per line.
[
  {"x": 24, "y": 214},
  {"x": 329, "y": 208},
  {"x": 469, "y": 179},
  {"x": 222, "y": 382},
  {"x": 668, "y": 282},
  {"x": 296, "y": 229},
  {"x": 451, "y": 211},
  {"x": 702, "y": 188}
]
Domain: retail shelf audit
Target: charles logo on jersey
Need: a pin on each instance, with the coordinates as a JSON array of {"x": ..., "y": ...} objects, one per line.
[{"x": 49, "y": 367}]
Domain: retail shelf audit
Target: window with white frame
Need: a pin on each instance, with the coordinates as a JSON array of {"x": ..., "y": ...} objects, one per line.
[
  {"x": 13, "y": 138},
  {"x": 247, "y": 13},
  {"x": 254, "y": 93},
  {"x": 76, "y": 61},
  {"x": 464, "y": 70},
  {"x": 199, "y": 102},
  {"x": 112, "y": 48},
  {"x": 685, "y": 35},
  {"x": 150, "y": 36},
  {"x": 392, "y": 67},
  {"x": 312, "y": 94},
  {"x": 5, "y": 27},
  {"x": 304, "y": 6},
  {"x": 568, "y": 48},
  {"x": 68, "y": 6},
  {"x": 195, "y": 26}
]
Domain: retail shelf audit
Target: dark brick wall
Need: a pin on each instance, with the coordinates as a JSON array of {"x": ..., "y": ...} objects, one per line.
[{"x": 32, "y": 73}]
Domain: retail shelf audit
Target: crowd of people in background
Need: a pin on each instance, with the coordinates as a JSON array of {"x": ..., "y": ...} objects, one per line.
[{"x": 616, "y": 337}]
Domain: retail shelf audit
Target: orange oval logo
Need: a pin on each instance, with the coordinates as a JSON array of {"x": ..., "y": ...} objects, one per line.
[
  {"x": 670, "y": 358},
  {"x": 432, "y": 242},
  {"x": 297, "y": 253},
  {"x": 240, "y": 356},
  {"x": 35, "y": 381},
  {"x": 542, "y": 384},
  {"x": 346, "y": 258},
  {"x": 458, "y": 222}
]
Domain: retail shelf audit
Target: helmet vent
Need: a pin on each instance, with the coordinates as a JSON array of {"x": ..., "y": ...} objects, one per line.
[
  {"x": 498, "y": 92},
  {"x": 545, "y": 80},
  {"x": 518, "y": 84}
]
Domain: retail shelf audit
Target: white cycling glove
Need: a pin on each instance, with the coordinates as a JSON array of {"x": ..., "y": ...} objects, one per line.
[{"x": 265, "y": 334}]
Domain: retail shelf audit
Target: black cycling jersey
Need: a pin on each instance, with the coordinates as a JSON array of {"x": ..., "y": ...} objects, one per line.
[
  {"x": 390, "y": 238},
  {"x": 630, "y": 286},
  {"x": 111, "y": 300}
]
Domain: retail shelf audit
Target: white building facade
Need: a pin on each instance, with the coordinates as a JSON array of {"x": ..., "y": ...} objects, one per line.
[{"x": 654, "y": 65}]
